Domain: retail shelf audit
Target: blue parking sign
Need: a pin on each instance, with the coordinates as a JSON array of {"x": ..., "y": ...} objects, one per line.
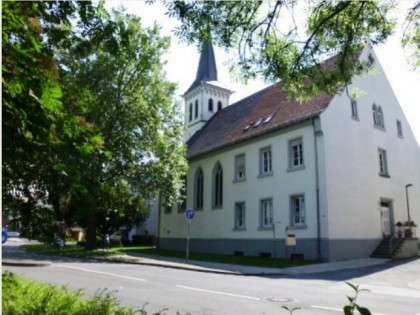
[{"x": 189, "y": 214}]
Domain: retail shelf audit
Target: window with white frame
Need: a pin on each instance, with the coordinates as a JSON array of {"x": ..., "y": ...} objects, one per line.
[
  {"x": 354, "y": 111},
  {"x": 265, "y": 161},
  {"x": 217, "y": 186},
  {"x": 240, "y": 167},
  {"x": 399, "y": 129},
  {"x": 266, "y": 213},
  {"x": 298, "y": 210},
  {"x": 240, "y": 215},
  {"x": 295, "y": 153},
  {"x": 383, "y": 163},
  {"x": 199, "y": 189},
  {"x": 378, "y": 116}
]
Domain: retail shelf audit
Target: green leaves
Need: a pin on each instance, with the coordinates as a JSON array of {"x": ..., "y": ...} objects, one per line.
[
  {"x": 353, "y": 306},
  {"x": 273, "y": 41}
]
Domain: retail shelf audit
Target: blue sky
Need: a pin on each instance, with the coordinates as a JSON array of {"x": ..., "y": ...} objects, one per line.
[{"x": 182, "y": 62}]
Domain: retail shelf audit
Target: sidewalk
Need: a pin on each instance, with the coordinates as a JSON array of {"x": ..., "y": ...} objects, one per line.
[{"x": 210, "y": 267}]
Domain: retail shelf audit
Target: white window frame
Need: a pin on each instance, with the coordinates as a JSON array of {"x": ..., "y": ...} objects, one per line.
[
  {"x": 298, "y": 210},
  {"x": 266, "y": 161},
  {"x": 240, "y": 216},
  {"x": 383, "y": 163},
  {"x": 354, "y": 109},
  {"x": 266, "y": 213},
  {"x": 240, "y": 167},
  {"x": 296, "y": 147}
]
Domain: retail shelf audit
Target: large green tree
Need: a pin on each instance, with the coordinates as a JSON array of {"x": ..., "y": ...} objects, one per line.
[
  {"x": 130, "y": 105},
  {"x": 35, "y": 121},
  {"x": 89, "y": 125},
  {"x": 288, "y": 40}
]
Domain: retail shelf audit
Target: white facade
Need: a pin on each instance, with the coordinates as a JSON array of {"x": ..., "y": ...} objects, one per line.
[{"x": 337, "y": 183}]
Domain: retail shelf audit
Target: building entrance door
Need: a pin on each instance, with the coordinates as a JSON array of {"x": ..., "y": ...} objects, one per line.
[{"x": 386, "y": 218}]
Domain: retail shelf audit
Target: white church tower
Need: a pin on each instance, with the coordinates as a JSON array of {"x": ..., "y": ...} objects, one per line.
[{"x": 206, "y": 96}]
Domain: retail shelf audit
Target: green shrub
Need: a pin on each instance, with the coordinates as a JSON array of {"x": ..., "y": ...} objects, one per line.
[
  {"x": 143, "y": 240},
  {"x": 22, "y": 297}
]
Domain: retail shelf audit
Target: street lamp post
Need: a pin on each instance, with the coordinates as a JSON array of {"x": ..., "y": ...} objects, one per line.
[{"x": 408, "y": 206}]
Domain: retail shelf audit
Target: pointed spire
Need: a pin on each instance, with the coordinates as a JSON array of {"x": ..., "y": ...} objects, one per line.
[{"x": 207, "y": 70}]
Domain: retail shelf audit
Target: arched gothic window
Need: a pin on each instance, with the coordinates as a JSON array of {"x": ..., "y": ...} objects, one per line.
[
  {"x": 196, "y": 108},
  {"x": 217, "y": 186},
  {"x": 219, "y": 105},
  {"x": 191, "y": 111},
  {"x": 199, "y": 191},
  {"x": 211, "y": 105}
]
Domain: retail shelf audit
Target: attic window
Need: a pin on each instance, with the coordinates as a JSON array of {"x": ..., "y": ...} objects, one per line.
[
  {"x": 258, "y": 122},
  {"x": 268, "y": 119},
  {"x": 247, "y": 128}
]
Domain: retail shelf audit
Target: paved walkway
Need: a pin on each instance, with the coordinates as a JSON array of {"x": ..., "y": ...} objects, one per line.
[{"x": 213, "y": 267}]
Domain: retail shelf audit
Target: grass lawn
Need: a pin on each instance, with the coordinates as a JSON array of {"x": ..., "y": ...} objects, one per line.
[{"x": 78, "y": 251}]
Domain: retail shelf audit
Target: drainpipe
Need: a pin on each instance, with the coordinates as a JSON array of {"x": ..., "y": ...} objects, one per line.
[
  {"x": 158, "y": 231},
  {"x": 318, "y": 212}
]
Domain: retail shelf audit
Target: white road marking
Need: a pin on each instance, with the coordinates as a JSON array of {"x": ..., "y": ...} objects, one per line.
[
  {"x": 101, "y": 273},
  {"x": 339, "y": 309},
  {"x": 221, "y": 293}
]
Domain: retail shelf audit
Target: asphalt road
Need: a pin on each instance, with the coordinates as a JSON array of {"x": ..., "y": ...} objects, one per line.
[{"x": 393, "y": 290}]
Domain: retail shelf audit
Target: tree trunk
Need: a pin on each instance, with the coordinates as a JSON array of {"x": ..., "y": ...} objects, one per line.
[{"x": 91, "y": 232}]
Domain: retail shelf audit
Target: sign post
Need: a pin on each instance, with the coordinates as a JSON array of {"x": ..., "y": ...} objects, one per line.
[{"x": 189, "y": 214}]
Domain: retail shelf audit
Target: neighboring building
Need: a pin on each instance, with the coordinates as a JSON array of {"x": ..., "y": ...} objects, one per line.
[{"x": 331, "y": 171}]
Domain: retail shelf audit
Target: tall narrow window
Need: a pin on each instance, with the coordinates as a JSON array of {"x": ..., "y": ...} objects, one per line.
[
  {"x": 219, "y": 105},
  {"x": 211, "y": 105},
  {"x": 295, "y": 153},
  {"x": 218, "y": 186},
  {"x": 240, "y": 215},
  {"x": 399, "y": 129},
  {"x": 182, "y": 206},
  {"x": 196, "y": 108},
  {"x": 191, "y": 111},
  {"x": 383, "y": 163},
  {"x": 298, "y": 210},
  {"x": 266, "y": 213},
  {"x": 240, "y": 167},
  {"x": 354, "y": 111},
  {"x": 199, "y": 190},
  {"x": 375, "y": 115},
  {"x": 380, "y": 118},
  {"x": 265, "y": 162}
]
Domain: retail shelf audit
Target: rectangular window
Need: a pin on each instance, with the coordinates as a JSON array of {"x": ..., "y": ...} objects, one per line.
[
  {"x": 240, "y": 167},
  {"x": 265, "y": 161},
  {"x": 240, "y": 215},
  {"x": 295, "y": 153},
  {"x": 383, "y": 163},
  {"x": 399, "y": 129},
  {"x": 266, "y": 213},
  {"x": 354, "y": 111},
  {"x": 298, "y": 210}
]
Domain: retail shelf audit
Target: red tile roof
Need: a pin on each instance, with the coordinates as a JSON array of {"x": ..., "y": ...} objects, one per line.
[
  {"x": 228, "y": 126},
  {"x": 237, "y": 123}
]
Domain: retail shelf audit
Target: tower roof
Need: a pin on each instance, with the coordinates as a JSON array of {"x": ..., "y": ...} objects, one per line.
[{"x": 207, "y": 70}]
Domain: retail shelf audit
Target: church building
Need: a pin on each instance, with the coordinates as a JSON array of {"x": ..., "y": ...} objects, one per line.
[{"x": 325, "y": 179}]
